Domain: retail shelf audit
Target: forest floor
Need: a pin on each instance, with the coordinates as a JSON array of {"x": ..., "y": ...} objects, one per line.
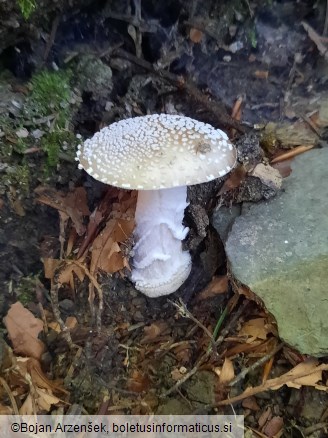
[{"x": 72, "y": 320}]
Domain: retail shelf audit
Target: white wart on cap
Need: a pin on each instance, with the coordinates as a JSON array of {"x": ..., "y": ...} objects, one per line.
[{"x": 156, "y": 152}]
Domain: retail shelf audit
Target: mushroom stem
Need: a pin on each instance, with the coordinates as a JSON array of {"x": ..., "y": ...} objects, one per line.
[{"x": 160, "y": 266}]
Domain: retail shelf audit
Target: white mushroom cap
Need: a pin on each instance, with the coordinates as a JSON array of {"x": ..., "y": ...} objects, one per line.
[{"x": 156, "y": 152}]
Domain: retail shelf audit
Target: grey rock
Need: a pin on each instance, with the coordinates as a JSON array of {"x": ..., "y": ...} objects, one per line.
[
  {"x": 279, "y": 248},
  {"x": 223, "y": 219},
  {"x": 94, "y": 76}
]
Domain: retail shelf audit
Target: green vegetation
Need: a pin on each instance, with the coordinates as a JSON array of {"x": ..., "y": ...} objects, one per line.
[
  {"x": 40, "y": 132},
  {"x": 26, "y": 7},
  {"x": 50, "y": 95},
  {"x": 252, "y": 36},
  {"x": 21, "y": 178},
  {"x": 50, "y": 99},
  {"x": 26, "y": 289}
]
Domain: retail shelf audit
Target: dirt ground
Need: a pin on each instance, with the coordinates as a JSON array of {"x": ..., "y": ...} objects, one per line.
[{"x": 248, "y": 68}]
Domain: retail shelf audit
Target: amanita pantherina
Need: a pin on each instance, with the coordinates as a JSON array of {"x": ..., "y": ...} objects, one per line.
[{"x": 158, "y": 155}]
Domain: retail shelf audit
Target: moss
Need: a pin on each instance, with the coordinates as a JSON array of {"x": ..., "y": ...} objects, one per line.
[
  {"x": 26, "y": 288},
  {"x": 252, "y": 36},
  {"x": 26, "y": 7},
  {"x": 50, "y": 96},
  {"x": 20, "y": 177},
  {"x": 49, "y": 108},
  {"x": 52, "y": 144}
]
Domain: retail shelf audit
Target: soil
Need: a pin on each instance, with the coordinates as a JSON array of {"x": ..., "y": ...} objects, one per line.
[{"x": 180, "y": 57}]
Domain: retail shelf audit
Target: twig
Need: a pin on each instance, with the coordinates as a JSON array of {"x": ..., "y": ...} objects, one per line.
[
  {"x": 317, "y": 39},
  {"x": 10, "y": 395},
  {"x": 206, "y": 355},
  {"x": 312, "y": 126},
  {"x": 52, "y": 37},
  {"x": 217, "y": 109},
  {"x": 292, "y": 153},
  {"x": 314, "y": 428},
  {"x": 325, "y": 27},
  {"x": 255, "y": 365},
  {"x": 44, "y": 319},
  {"x": 55, "y": 308},
  {"x": 184, "y": 312},
  {"x": 297, "y": 58}
]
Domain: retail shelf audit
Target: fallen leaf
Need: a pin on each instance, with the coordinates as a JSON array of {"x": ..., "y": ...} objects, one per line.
[
  {"x": 23, "y": 330},
  {"x": 218, "y": 285},
  {"x": 227, "y": 372},
  {"x": 234, "y": 179},
  {"x": 311, "y": 379},
  {"x": 71, "y": 322},
  {"x": 195, "y": 35},
  {"x": 66, "y": 275},
  {"x": 310, "y": 373},
  {"x": 183, "y": 352},
  {"x": 273, "y": 427},
  {"x": 265, "y": 417},
  {"x": 177, "y": 374},
  {"x": 49, "y": 266},
  {"x": 106, "y": 252},
  {"x": 138, "y": 382},
  {"x": 236, "y": 110},
  {"x": 255, "y": 329},
  {"x": 261, "y": 74},
  {"x": 154, "y": 330},
  {"x": 251, "y": 403},
  {"x": 73, "y": 204},
  {"x": 284, "y": 167}
]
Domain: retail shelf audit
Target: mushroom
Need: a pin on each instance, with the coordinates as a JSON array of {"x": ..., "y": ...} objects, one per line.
[{"x": 159, "y": 155}]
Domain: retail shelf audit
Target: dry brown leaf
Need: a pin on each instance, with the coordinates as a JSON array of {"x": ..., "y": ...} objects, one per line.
[
  {"x": 255, "y": 329},
  {"x": 138, "y": 382},
  {"x": 71, "y": 322},
  {"x": 243, "y": 348},
  {"x": 54, "y": 326},
  {"x": 251, "y": 403},
  {"x": 5, "y": 410},
  {"x": 95, "y": 220},
  {"x": 40, "y": 401},
  {"x": 23, "y": 330},
  {"x": 40, "y": 380},
  {"x": 309, "y": 368},
  {"x": 284, "y": 168},
  {"x": 265, "y": 417},
  {"x": 46, "y": 399},
  {"x": 195, "y": 35},
  {"x": 106, "y": 252},
  {"x": 218, "y": 285},
  {"x": 178, "y": 373},
  {"x": 234, "y": 180},
  {"x": 261, "y": 74},
  {"x": 183, "y": 352},
  {"x": 27, "y": 407},
  {"x": 66, "y": 275},
  {"x": 236, "y": 110},
  {"x": 49, "y": 266},
  {"x": 154, "y": 330},
  {"x": 227, "y": 372},
  {"x": 273, "y": 427},
  {"x": 73, "y": 204}
]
